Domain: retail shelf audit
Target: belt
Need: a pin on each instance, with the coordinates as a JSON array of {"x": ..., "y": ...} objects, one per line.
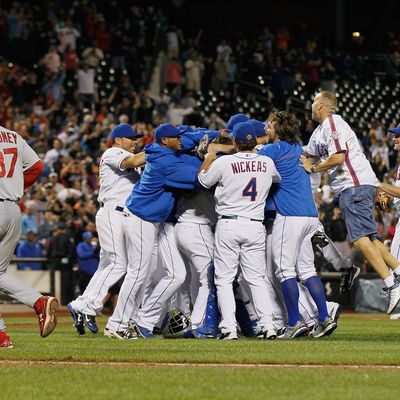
[
  {"x": 238, "y": 217},
  {"x": 10, "y": 200},
  {"x": 117, "y": 208}
]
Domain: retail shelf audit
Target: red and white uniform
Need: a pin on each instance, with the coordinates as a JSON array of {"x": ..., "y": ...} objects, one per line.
[
  {"x": 19, "y": 167},
  {"x": 335, "y": 135}
]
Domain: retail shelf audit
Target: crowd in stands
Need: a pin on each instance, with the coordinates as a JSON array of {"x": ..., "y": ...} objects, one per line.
[{"x": 70, "y": 70}]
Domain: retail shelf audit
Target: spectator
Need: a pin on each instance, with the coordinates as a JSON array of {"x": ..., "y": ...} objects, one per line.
[
  {"x": 30, "y": 248},
  {"x": 47, "y": 226},
  {"x": 88, "y": 258},
  {"x": 86, "y": 88},
  {"x": 92, "y": 56},
  {"x": 61, "y": 251},
  {"x": 54, "y": 154},
  {"x": 194, "y": 69},
  {"x": 28, "y": 221},
  {"x": 52, "y": 61}
]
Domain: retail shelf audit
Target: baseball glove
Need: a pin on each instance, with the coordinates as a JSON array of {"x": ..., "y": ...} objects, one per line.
[
  {"x": 202, "y": 147},
  {"x": 383, "y": 201}
]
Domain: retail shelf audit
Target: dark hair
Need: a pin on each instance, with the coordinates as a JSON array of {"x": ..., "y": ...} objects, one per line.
[
  {"x": 286, "y": 125},
  {"x": 245, "y": 146}
]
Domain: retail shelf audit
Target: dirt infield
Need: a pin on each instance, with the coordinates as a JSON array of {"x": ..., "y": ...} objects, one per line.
[{"x": 191, "y": 364}]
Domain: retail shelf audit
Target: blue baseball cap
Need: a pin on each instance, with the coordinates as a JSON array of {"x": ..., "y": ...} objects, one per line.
[
  {"x": 124, "y": 130},
  {"x": 244, "y": 131},
  {"x": 259, "y": 127},
  {"x": 87, "y": 234},
  {"x": 236, "y": 119},
  {"x": 166, "y": 130},
  {"x": 395, "y": 131}
]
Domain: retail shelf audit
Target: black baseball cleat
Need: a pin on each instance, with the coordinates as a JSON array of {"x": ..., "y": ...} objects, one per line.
[
  {"x": 348, "y": 277},
  {"x": 319, "y": 239},
  {"x": 90, "y": 322},
  {"x": 78, "y": 319}
]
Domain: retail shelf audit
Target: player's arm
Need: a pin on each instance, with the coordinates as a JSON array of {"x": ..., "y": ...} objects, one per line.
[
  {"x": 32, "y": 166},
  {"x": 390, "y": 189},
  {"x": 331, "y": 162},
  {"x": 133, "y": 161},
  {"x": 210, "y": 172}
]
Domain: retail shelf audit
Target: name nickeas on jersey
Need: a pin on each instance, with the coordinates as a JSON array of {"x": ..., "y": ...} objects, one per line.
[{"x": 248, "y": 166}]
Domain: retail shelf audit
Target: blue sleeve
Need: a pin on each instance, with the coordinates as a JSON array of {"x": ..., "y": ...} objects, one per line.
[
  {"x": 84, "y": 251},
  {"x": 268, "y": 150},
  {"x": 190, "y": 140},
  {"x": 213, "y": 134},
  {"x": 180, "y": 175}
]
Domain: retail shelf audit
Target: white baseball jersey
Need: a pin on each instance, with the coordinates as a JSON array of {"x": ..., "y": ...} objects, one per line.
[
  {"x": 116, "y": 183},
  {"x": 244, "y": 180},
  {"x": 197, "y": 209},
  {"x": 333, "y": 136},
  {"x": 16, "y": 156}
]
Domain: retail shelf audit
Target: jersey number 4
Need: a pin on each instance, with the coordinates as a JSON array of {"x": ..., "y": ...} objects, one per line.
[
  {"x": 251, "y": 189},
  {"x": 12, "y": 151}
]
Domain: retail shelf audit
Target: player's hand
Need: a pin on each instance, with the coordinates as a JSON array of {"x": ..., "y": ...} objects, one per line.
[{"x": 306, "y": 163}]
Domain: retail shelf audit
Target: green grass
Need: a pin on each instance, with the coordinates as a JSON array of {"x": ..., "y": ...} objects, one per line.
[{"x": 357, "y": 341}]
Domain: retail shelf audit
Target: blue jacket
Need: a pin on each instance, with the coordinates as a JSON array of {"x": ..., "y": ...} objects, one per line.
[
  {"x": 190, "y": 140},
  {"x": 293, "y": 195},
  {"x": 152, "y": 198},
  {"x": 88, "y": 257},
  {"x": 26, "y": 249}
]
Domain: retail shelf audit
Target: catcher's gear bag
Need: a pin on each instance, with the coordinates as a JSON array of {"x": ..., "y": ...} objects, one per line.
[{"x": 178, "y": 325}]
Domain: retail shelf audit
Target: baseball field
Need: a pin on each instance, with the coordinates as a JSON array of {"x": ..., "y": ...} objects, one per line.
[{"x": 360, "y": 360}]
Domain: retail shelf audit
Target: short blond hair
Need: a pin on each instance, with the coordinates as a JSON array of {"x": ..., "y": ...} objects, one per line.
[{"x": 329, "y": 99}]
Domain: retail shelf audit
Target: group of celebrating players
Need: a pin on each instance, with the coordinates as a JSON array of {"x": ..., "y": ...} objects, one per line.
[{"x": 220, "y": 225}]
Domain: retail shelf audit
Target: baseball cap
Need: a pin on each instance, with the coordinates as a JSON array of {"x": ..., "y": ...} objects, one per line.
[
  {"x": 258, "y": 127},
  {"x": 166, "y": 130},
  {"x": 87, "y": 235},
  {"x": 236, "y": 119},
  {"x": 395, "y": 131},
  {"x": 244, "y": 131},
  {"x": 124, "y": 130}
]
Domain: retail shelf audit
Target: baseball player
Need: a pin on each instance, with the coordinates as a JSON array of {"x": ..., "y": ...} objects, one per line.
[
  {"x": 354, "y": 182},
  {"x": 148, "y": 210},
  {"x": 395, "y": 247},
  {"x": 295, "y": 223},
  {"x": 19, "y": 168},
  {"x": 243, "y": 181},
  {"x": 196, "y": 219},
  {"x": 117, "y": 178}
]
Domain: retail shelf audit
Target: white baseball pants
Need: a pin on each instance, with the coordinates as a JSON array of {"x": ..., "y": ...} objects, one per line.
[
  {"x": 240, "y": 242},
  {"x": 10, "y": 231},
  {"x": 196, "y": 245},
  {"x": 155, "y": 305},
  {"x": 292, "y": 250},
  {"x": 140, "y": 235},
  {"x": 112, "y": 228}
]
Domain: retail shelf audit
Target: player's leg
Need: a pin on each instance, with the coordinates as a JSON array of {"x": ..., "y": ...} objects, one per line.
[
  {"x": 140, "y": 237},
  {"x": 308, "y": 275},
  {"x": 287, "y": 234},
  {"x": 44, "y": 306},
  {"x": 338, "y": 261},
  {"x": 252, "y": 262},
  {"x": 226, "y": 261},
  {"x": 395, "y": 247},
  {"x": 357, "y": 205},
  {"x": 277, "y": 302},
  {"x": 196, "y": 243},
  {"x": 5, "y": 340},
  {"x": 152, "y": 309}
]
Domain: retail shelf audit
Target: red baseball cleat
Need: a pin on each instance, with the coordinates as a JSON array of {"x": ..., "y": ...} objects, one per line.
[
  {"x": 5, "y": 341},
  {"x": 46, "y": 308}
]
